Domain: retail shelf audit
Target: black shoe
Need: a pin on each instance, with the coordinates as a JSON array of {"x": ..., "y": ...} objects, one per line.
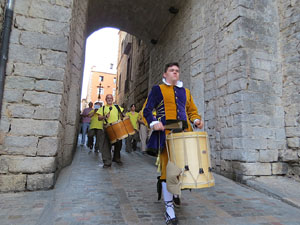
[
  {"x": 106, "y": 166},
  {"x": 169, "y": 221},
  {"x": 119, "y": 162},
  {"x": 176, "y": 201}
]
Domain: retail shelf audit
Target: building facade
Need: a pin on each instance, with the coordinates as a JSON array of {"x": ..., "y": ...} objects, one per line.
[{"x": 100, "y": 84}]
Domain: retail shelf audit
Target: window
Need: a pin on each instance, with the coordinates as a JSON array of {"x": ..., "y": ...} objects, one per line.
[
  {"x": 114, "y": 92},
  {"x": 101, "y": 78},
  {"x": 115, "y": 80}
]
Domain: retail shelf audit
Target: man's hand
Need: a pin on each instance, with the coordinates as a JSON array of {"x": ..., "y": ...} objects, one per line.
[
  {"x": 199, "y": 124},
  {"x": 159, "y": 126}
]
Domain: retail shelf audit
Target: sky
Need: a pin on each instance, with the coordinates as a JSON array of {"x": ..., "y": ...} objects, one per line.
[{"x": 101, "y": 50}]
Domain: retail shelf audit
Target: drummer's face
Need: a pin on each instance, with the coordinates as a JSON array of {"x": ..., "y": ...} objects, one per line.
[
  {"x": 172, "y": 75},
  {"x": 109, "y": 99}
]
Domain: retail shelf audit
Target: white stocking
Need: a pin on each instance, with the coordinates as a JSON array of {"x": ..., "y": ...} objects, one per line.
[{"x": 168, "y": 198}]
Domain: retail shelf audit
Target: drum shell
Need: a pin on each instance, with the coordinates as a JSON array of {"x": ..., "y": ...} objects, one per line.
[
  {"x": 119, "y": 130},
  {"x": 195, "y": 143}
]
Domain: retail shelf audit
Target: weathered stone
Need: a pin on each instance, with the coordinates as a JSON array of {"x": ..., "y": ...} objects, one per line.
[
  {"x": 40, "y": 72},
  {"x": 44, "y": 41},
  {"x": 293, "y": 142},
  {"x": 48, "y": 146},
  {"x": 34, "y": 127},
  {"x": 20, "y": 53},
  {"x": 29, "y": 24},
  {"x": 268, "y": 155},
  {"x": 21, "y": 164},
  {"x": 54, "y": 58},
  {"x": 44, "y": 99},
  {"x": 3, "y": 165},
  {"x": 21, "y": 110},
  {"x": 13, "y": 95},
  {"x": 49, "y": 86},
  {"x": 19, "y": 141},
  {"x": 12, "y": 183},
  {"x": 40, "y": 181},
  {"x": 47, "y": 113},
  {"x": 252, "y": 168},
  {"x": 279, "y": 168},
  {"x": 47, "y": 11},
  {"x": 54, "y": 27}
]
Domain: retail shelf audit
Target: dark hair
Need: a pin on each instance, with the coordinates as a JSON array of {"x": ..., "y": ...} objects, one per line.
[
  {"x": 132, "y": 105},
  {"x": 170, "y": 65}
]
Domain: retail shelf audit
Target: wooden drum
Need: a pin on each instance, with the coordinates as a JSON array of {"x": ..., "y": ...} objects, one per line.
[
  {"x": 119, "y": 130},
  {"x": 190, "y": 151}
]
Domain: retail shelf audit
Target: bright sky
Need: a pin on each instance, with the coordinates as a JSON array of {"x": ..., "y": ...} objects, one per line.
[{"x": 101, "y": 51}]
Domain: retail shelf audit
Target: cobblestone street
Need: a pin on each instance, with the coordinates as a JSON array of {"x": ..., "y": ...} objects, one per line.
[{"x": 85, "y": 193}]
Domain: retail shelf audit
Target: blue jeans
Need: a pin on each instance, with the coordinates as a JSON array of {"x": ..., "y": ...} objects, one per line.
[{"x": 85, "y": 127}]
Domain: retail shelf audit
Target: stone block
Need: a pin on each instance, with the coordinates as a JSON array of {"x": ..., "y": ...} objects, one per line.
[
  {"x": 49, "y": 11},
  {"x": 13, "y": 95},
  {"x": 50, "y": 86},
  {"x": 21, "y": 110},
  {"x": 40, "y": 72},
  {"x": 22, "y": 7},
  {"x": 3, "y": 165},
  {"x": 268, "y": 155},
  {"x": 67, "y": 155},
  {"x": 288, "y": 155},
  {"x": 44, "y": 41},
  {"x": 12, "y": 183},
  {"x": 45, "y": 99},
  {"x": 34, "y": 127},
  {"x": 21, "y": 164},
  {"x": 279, "y": 168},
  {"x": 19, "y": 82},
  {"x": 21, "y": 141},
  {"x": 48, "y": 146},
  {"x": 24, "y": 151},
  {"x": 70, "y": 134},
  {"x": 40, "y": 181},
  {"x": 20, "y": 53},
  {"x": 293, "y": 142},
  {"x": 47, "y": 113},
  {"x": 252, "y": 169},
  {"x": 28, "y": 24},
  {"x": 54, "y": 58},
  {"x": 54, "y": 27}
]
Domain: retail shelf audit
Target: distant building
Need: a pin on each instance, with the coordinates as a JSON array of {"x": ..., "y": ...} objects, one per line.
[{"x": 100, "y": 84}]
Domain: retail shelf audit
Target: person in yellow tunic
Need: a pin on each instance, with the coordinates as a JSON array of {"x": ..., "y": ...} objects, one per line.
[
  {"x": 174, "y": 105},
  {"x": 131, "y": 140},
  {"x": 110, "y": 113},
  {"x": 95, "y": 129}
]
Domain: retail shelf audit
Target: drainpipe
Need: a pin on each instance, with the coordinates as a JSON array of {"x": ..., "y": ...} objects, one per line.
[{"x": 4, "y": 47}]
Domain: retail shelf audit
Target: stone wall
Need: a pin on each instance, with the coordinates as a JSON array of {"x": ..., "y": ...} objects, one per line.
[
  {"x": 230, "y": 56},
  {"x": 42, "y": 89},
  {"x": 2, "y": 12},
  {"x": 289, "y": 12}
]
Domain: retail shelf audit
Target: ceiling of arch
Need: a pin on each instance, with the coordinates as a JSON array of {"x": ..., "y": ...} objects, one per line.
[{"x": 146, "y": 19}]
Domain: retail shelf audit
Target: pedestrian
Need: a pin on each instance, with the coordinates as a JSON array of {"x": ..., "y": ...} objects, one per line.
[
  {"x": 174, "y": 105},
  {"x": 110, "y": 113},
  {"x": 143, "y": 132},
  {"x": 95, "y": 129},
  {"x": 86, "y": 122},
  {"x": 131, "y": 140}
]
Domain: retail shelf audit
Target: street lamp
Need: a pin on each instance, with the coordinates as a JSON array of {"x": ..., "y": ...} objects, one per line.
[{"x": 99, "y": 91}]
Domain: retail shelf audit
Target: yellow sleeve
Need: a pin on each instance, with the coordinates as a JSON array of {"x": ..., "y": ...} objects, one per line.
[{"x": 191, "y": 108}]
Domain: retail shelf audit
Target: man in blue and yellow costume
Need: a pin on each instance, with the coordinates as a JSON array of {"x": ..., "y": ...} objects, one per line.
[{"x": 174, "y": 107}]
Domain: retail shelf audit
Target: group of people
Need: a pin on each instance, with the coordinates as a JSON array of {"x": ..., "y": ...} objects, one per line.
[
  {"x": 94, "y": 120},
  {"x": 167, "y": 104}
]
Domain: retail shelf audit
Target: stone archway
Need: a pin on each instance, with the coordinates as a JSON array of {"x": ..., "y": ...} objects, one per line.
[{"x": 234, "y": 56}]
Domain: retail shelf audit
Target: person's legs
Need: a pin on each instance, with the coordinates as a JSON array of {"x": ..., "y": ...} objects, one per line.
[
  {"x": 143, "y": 137},
  {"x": 85, "y": 127},
  {"x": 168, "y": 199},
  {"x": 98, "y": 139},
  {"x": 106, "y": 151},
  {"x": 91, "y": 134},
  {"x": 117, "y": 155},
  {"x": 128, "y": 143}
]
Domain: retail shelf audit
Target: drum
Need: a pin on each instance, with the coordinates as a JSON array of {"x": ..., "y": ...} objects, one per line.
[
  {"x": 190, "y": 152},
  {"x": 119, "y": 130}
]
